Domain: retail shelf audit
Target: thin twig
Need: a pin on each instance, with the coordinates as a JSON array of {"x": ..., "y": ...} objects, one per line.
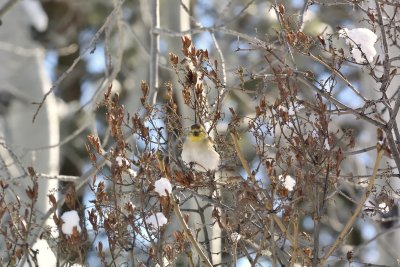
[
  {"x": 317, "y": 226},
  {"x": 356, "y": 152},
  {"x": 188, "y": 233},
  {"x": 234, "y": 252},
  {"x": 393, "y": 147},
  {"x": 238, "y": 15},
  {"x": 65, "y": 141},
  {"x": 223, "y": 68},
  {"x": 253, "y": 40},
  {"x": 386, "y": 63},
  {"x": 200, "y": 211},
  {"x": 319, "y": 212},
  {"x": 294, "y": 245},
  {"x": 246, "y": 167},
  {"x": 340, "y": 104},
  {"x": 84, "y": 178},
  {"x": 63, "y": 178},
  {"x": 357, "y": 211},
  {"x": 338, "y": 73},
  {"x": 90, "y": 48},
  {"x": 154, "y": 47},
  {"x": 302, "y": 15}
]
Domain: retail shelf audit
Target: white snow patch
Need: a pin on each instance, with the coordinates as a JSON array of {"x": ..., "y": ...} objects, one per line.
[
  {"x": 383, "y": 207},
  {"x": 363, "y": 37},
  {"x": 121, "y": 161},
  {"x": 326, "y": 144},
  {"x": 266, "y": 252},
  {"x": 288, "y": 182},
  {"x": 71, "y": 220},
  {"x": 163, "y": 185},
  {"x": 157, "y": 220},
  {"x": 132, "y": 172},
  {"x": 45, "y": 257},
  {"x": 235, "y": 237}
]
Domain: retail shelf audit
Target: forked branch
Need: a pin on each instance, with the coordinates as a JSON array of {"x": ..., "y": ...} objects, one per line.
[
  {"x": 357, "y": 211},
  {"x": 188, "y": 233}
]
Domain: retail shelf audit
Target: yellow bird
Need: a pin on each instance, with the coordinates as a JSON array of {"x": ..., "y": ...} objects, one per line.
[{"x": 198, "y": 150}]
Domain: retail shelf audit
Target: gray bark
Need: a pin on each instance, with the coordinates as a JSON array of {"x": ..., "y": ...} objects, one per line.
[{"x": 23, "y": 81}]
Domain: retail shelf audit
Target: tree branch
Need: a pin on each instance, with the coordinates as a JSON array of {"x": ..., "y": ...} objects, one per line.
[
  {"x": 188, "y": 233},
  {"x": 253, "y": 180},
  {"x": 357, "y": 211},
  {"x": 154, "y": 46},
  {"x": 90, "y": 48}
]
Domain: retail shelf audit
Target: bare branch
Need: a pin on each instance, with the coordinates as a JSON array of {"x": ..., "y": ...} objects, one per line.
[
  {"x": 90, "y": 48},
  {"x": 154, "y": 47},
  {"x": 357, "y": 211}
]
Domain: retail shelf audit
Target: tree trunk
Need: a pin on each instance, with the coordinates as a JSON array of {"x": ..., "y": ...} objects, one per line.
[{"x": 23, "y": 81}]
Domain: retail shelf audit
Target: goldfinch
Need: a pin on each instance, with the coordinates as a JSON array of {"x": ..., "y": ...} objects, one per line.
[{"x": 198, "y": 150}]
